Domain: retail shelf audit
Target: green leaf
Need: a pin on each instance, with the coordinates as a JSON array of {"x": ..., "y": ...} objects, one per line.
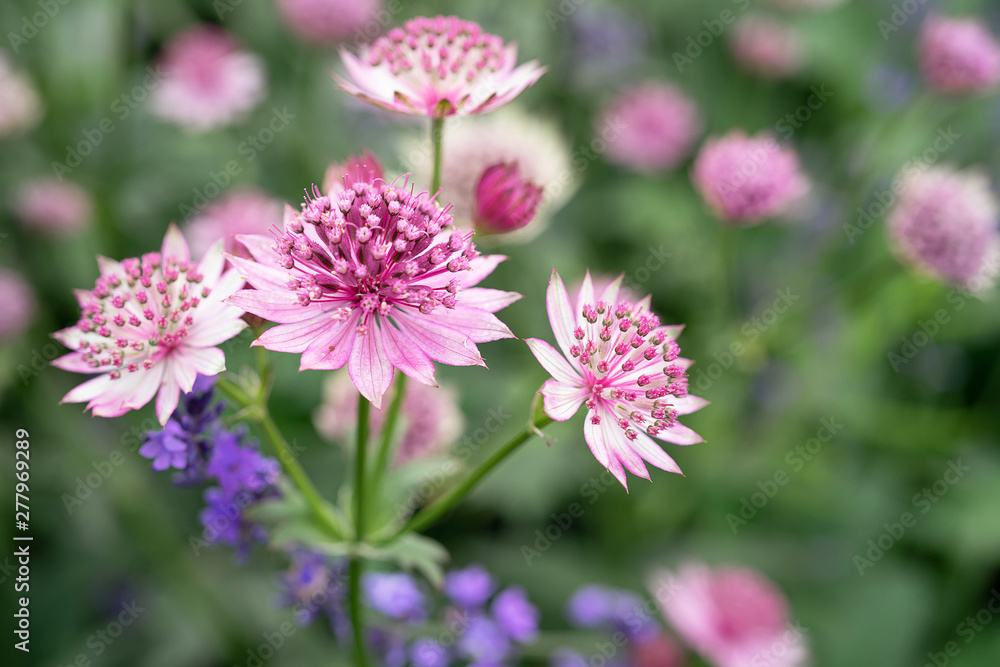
[{"x": 416, "y": 552}]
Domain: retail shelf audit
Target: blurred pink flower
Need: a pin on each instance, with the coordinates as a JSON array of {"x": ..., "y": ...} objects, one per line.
[
  {"x": 249, "y": 211},
  {"x": 209, "y": 81},
  {"x": 657, "y": 125},
  {"x": 150, "y": 326},
  {"x": 746, "y": 179},
  {"x": 767, "y": 47},
  {"x": 329, "y": 21},
  {"x": 431, "y": 419},
  {"x": 505, "y": 200},
  {"x": 20, "y": 105},
  {"x": 733, "y": 617},
  {"x": 51, "y": 206},
  {"x": 959, "y": 56},
  {"x": 806, "y": 4},
  {"x": 438, "y": 67},
  {"x": 659, "y": 651},
  {"x": 619, "y": 360},
  {"x": 945, "y": 223},
  {"x": 19, "y": 305},
  {"x": 363, "y": 168},
  {"x": 376, "y": 279}
]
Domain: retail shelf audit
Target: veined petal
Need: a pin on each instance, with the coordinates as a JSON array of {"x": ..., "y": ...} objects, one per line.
[
  {"x": 440, "y": 343},
  {"x": 174, "y": 245},
  {"x": 332, "y": 348},
  {"x": 166, "y": 400},
  {"x": 647, "y": 448},
  {"x": 553, "y": 362},
  {"x": 369, "y": 366},
  {"x": 261, "y": 276},
  {"x": 562, "y": 401},
  {"x": 294, "y": 337},
  {"x": 406, "y": 355},
  {"x": 260, "y": 248},
  {"x": 679, "y": 434},
  {"x": 478, "y": 325},
  {"x": 212, "y": 263},
  {"x": 688, "y": 404},
  {"x": 280, "y": 307},
  {"x": 560, "y": 313},
  {"x": 490, "y": 300},
  {"x": 75, "y": 363}
]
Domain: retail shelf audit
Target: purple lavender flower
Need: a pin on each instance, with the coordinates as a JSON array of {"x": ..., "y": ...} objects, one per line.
[
  {"x": 310, "y": 586},
  {"x": 600, "y": 607},
  {"x": 241, "y": 468},
  {"x": 395, "y": 595},
  {"x": 470, "y": 587},
  {"x": 225, "y": 523},
  {"x": 484, "y": 642},
  {"x": 516, "y": 615},
  {"x": 429, "y": 653},
  {"x": 186, "y": 440}
]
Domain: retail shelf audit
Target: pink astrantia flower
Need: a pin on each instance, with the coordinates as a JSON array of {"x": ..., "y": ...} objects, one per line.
[
  {"x": 149, "y": 327},
  {"x": 20, "y": 104},
  {"x": 656, "y": 126},
  {"x": 438, "y": 67},
  {"x": 377, "y": 279},
  {"x": 248, "y": 211},
  {"x": 767, "y": 47},
  {"x": 53, "y": 207},
  {"x": 746, "y": 179},
  {"x": 329, "y": 21},
  {"x": 19, "y": 305},
  {"x": 363, "y": 168},
  {"x": 959, "y": 56},
  {"x": 945, "y": 224},
  {"x": 209, "y": 81},
  {"x": 505, "y": 200},
  {"x": 619, "y": 360},
  {"x": 733, "y": 617},
  {"x": 430, "y": 416}
]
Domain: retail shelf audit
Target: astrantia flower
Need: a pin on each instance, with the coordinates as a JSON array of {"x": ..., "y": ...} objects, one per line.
[
  {"x": 431, "y": 418},
  {"x": 655, "y": 126},
  {"x": 438, "y": 67},
  {"x": 149, "y": 327},
  {"x": 767, "y": 47},
  {"x": 209, "y": 80},
  {"x": 53, "y": 207},
  {"x": 945, "y": 223},
  {"x": 505, "y": 200},
  {"x": 535, "y": 145},
  {"x": 328, "y": 21},
  {"x": 733, "y": 616},
  {"x": 18, "y": 304},
  {"x": 248, "y": 211},
  {"x": 377, "y": 280},
  {"x": 959, "y": 56},
  {"x": 746, "y": 179},
  {"x": 619, "y": 360},
  {"x": 20, "y": 105},
  {"x": 364, "y": 168}
]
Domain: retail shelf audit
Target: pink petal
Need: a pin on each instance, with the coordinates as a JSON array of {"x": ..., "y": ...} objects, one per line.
[
  {"x": 75, "y": 362},
  {"x": 142, "y": 392},
  {"x": 490, "y": 300},
  {"x": 560, "y": 313},
  {"x": 479, "y": 269},
  {"x": 331, "y": 349},
  {"x": 620, "y": 447},
  {"x": 175, "y": 246},
  {"x": 88, "y": 390},
  {"x": 688, "y": 404},
  {"x": 553, "y": 362},
  {"x": 440, "y": 343},
  {"x": 280, "y": 307},
  {"x": 369, "y": 366},
  {"x": 562, "y": 400},
  {"x": 406, "y": 355},
  {"x": 203, "y": 361},
  {"x": 260, "y": 248},
  {"x": 647, "y": 448},
  {"x": 596, "y": 437},
  {"x": 214, "y": 331},
  {"x": 584, "y": 297},
  {"x": 294, "y": 337},
  {"x": 261, "y": 276},
  {"x": 478, "y": 325},
  {"x": 166, "y": 400},
  {"x": 212, "y": 264},
  {"x": 680, "y": 435},
  {"x": 610, "y": 295}
]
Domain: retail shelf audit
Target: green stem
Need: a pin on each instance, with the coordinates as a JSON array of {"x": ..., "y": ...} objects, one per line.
[
  {"x": 357, "y": 562},
  {"x": 437, "y": 133},
  {"x": 446, "y": 502},
  {"x": 388, "y": 431},
  {"x": 260, "y": 415}
]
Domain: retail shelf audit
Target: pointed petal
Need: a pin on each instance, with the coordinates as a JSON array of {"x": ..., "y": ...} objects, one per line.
[
  {"x": 261, "y": 276},
  {"x": 207, "y": 361},
  {"x": 680, "y": 435},
  {"x": 553, "y": 362},
  {"x": 174, "y": 245},
  {"x": 75, "y": 362},
  {"x": 369, "y": 366},
  {"x": 294, "y": 337},
  {"x": 212, "y": 263},
  {"x": 610, "y": 295},
  {"x": 560, "y": 313},
  {"x": 333, "y": 347},
  {"x": 280, "y": 307},
  {"x": 688, "y": 404},
  {"x": 406, "y": 355},
  {"x": 478, "y": 325},
  {"x": 214, "y": 331},
  {"x": 562, "y": 400},
  {"x": 585, "y": 296},
  {"x": 166, "y": 400},
  {"x": 440, "y": 343},
  {"x": 490, "y": 300},
  {"x": 259, "y": 247},
  {"x": 596, "y": 437},
  {"x": 88, "y": 390},
  {"x": 648, "y": 449}
]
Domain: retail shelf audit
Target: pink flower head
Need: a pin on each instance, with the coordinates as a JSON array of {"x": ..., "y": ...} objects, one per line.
[
  {"x": 505, "y": 200},
  {"x": 658, "y": 651},
  {"x": 431, "y": 419},
  {"x": 656, "y": 126},
  {"x": 945, "y": 223},
  {"x": 328, "y": 21},
  {"x": 438, "y": 67},
  {"x": 209, "y": 82},
  {"x": 363, "y": 168},
  {"x": 376, "y": 278},
  {"x": 20, "y": 105},
  {"x": 248, "y": 211},
  {"x": 746, "y": 179},
  {"x": 959, "y": 56},
  {"x": 18, "y": 305},
  {"x": 619, "y": 360},
  {"x": 733, "y": 617},
  {"x": 805, "y": 4},
  {"x": 151, "y": 326},
  {"x": 767, "y": 47},
  {"x": 53, "y": 207}
]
